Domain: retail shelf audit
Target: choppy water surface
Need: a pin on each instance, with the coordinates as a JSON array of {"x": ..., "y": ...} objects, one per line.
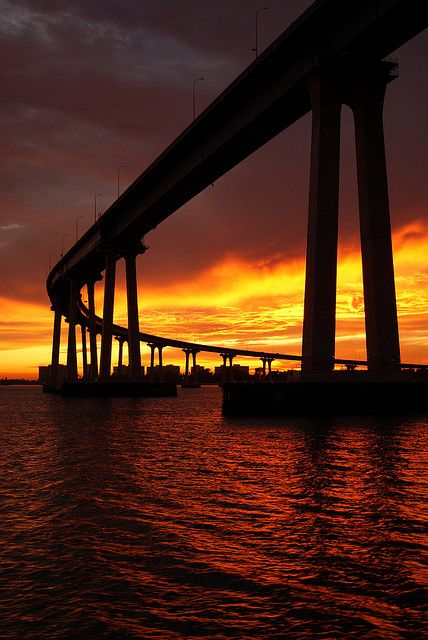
[{"x": 158, "y": 518}]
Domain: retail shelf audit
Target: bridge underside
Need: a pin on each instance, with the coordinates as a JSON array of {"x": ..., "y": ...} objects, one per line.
[{"x": 331, "y": 56}]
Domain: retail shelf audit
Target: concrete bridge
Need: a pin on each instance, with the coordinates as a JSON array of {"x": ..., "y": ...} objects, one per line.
[{"x": 332, "y": 55}]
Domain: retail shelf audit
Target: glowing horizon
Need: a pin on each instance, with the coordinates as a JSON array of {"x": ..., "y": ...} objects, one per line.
[{"x": 261, "y": 307}]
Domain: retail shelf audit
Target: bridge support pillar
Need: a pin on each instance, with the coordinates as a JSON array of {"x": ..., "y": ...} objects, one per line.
[
  {"x": 224, "y": 367},
  {"x": 382, "y": 338},
  {"x": 187, "y": 352},
  {"x": 194, "y": 368},
  {"x": 93, "y": 369},
  {"x": 321, "y": 255},
  {"x": 267, "y": 360},
  {"x": 71, "y": 346},
  {"x": 230, "y": 357},
  {"x": 133, "y": 319},
  {"x": 56, "y": 342},
  {"x": 84, "y": 351},
  {"x": 108, "y": 308},
  {"x": 120, "y": 356},
  {"x": 160, "y": 347}
]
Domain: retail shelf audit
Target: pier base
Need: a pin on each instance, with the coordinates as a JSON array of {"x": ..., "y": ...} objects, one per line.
[
  {"x": 118, "y": 389},
  {"x": 341, "y": 396}
]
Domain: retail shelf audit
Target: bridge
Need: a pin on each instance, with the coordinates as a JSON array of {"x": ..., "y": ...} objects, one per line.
[{"x": 334, "y": 54}]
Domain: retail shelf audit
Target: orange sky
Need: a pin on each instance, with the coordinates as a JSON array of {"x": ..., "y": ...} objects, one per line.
[{"x": 260, "y": 307}]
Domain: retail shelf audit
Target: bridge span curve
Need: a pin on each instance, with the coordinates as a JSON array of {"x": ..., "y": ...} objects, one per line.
[{"x": 332, "y": 55}]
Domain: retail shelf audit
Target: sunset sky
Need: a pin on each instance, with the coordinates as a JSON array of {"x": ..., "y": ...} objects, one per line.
[{"x": 88, "y": 86}]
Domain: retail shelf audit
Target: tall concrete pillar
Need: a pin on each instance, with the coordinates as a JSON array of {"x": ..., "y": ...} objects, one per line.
[
  {"x": 152, "y": 359},
  {"x": 108, "y": 308},
  {"x": 120, "y": 355},
  {"x": 71, "y": 345},
  {"x": 382, "y": 339},
  {"x": 93, "y": 369},
  {"x": 263, "y": 359},
  {"x": 84, "y": 351},
  {"x": 186, "y": 368},
  {"x": 56, "y": 342},
  {"x": 321, "y": 255},
  {"x": 194, "y": 369},
  {"x": 133, "y": 320},
  {"x": 230, "y": 356},
  {"x": 160, "y": 347},
  {"x": 224, "y": 372}
]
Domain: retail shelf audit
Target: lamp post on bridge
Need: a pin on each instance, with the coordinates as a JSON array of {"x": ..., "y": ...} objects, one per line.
[
  {"x": 195, "y": 82},
  {"x": 64, "y": 235},
  {"x": 96, "y": 196},
  {"x": 77, "y": 226},
  {"x": 256, "y": 48},
  {"x": 122, "y": 166}
]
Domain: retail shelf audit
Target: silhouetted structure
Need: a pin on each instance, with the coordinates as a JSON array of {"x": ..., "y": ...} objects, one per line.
[{"x": 332, "y": 55}]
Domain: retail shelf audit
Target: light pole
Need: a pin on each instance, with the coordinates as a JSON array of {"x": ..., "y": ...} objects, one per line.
[
  {"x": 195, "y": 82},
  {"x": 96, "y": 195},
  {"x": 122, "y": 166},
  {"x": 62, "y": 243},
  {"x": 256, "y": 48},
  {"x": 77, "y": 226}
]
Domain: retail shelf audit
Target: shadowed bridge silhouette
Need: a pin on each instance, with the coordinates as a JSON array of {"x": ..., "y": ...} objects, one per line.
[{"x": 334, "y": 54}]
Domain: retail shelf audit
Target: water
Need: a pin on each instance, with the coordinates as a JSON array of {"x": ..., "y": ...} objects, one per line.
[{"x": 158, "y": 518}]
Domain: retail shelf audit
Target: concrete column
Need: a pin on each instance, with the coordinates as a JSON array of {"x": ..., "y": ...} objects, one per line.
[
  {"x": 264, "y": 367},
  {"x": 133, "y": 319},
  {"x": 93, "y": 370},
  {"x": 56, "y": 343},
  {"x": 120, "y": 356},
  {"x": 71, "y": 346},
  {"x": 108, "y": 308},
  {"x": 224, "y": 356},
  {"x": 84, "y": 351},
  {"x": 152, "y": 359},
  {"x": 269, "y": 376},
  {"x": 321, "y": 256},
  {"x": 382, "y": 339},
  {"x": 160, "y": 363},
  {"x": 186, "y": 369},
  {"x": 230, "y": 367},
  {"x": 194, "y": 371}
]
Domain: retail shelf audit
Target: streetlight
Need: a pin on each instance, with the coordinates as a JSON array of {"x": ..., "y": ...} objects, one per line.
[
  {"x": 62, "y": 243},
  {"x": 256, "y": 48},
  {"x": 77, "y": 226},
  {"x": 122, "y": 166},
  {"x": 195, "y": 82},
  {"x": 96, "y": 195}
]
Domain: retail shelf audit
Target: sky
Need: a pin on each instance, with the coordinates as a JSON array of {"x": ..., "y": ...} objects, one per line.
[{"x": 89, "y": 86}]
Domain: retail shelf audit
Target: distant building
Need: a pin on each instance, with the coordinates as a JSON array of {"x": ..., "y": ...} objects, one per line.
[
  {"x": 169, "y": 373},
  {"x": 240, "y": 373}
]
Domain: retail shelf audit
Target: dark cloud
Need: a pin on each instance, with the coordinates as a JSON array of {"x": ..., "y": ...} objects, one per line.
[{"x": 90, "y": 85}]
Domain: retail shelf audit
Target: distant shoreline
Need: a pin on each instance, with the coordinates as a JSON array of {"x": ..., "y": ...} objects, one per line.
[{"x": 15, "y": 381}]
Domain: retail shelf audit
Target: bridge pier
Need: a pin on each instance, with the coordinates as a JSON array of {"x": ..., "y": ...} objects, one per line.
[
  {"x": 321, "y": 254},
  {"x": 56, "y": 343},
  {"x": 187, "y": 352},
  {"x": 133, "y": 319},
  {"x": 93, "y": 369},
  {"x": 120, "y": 355},
  {"x": 108, "y": 309},
  {"x": 71, "y": 345},
  {"x": 267, "y": 360},
  {"x": 84, "y": 351},
  {"x": 382, "y": 338}
]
